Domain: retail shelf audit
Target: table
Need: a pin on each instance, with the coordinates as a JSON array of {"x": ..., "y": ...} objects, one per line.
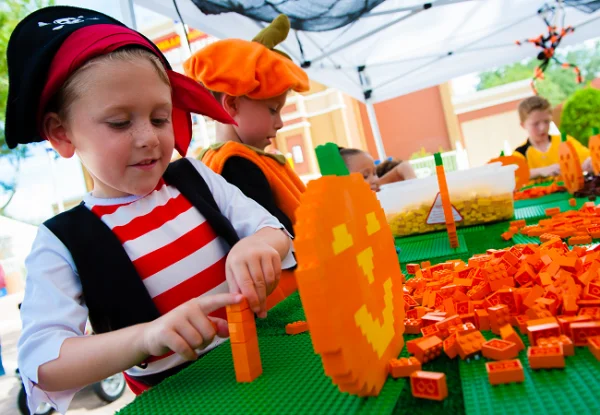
[{"x": 293, "y": 380}]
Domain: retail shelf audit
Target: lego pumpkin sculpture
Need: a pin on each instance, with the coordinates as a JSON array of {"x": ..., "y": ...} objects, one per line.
[
  {"x": 521, "y": 174},
  {"x": 570, "y": 166},
  {"x": 594, "y": 146},
  {"x": 349, "y": 277}
]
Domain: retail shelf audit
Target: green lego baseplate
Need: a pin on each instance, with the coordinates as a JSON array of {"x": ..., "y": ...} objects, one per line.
[
  {"x": 538, "y": 211},
  {"x": 551, "y": 198},
  {"x": 572, "y": 390},
  {"x": 293, "y": 381},
  {"x": 436, "y": 245}
]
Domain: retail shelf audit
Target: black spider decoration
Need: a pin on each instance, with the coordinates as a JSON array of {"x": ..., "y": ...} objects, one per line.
[{"x": 550, "y": 41}]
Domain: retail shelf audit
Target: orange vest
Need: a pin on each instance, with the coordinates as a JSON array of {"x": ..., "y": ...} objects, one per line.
[{"x": 285, "y": 183}]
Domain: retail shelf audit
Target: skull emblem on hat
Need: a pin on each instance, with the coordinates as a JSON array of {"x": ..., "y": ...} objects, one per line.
[{"x": 60, "y": 23}]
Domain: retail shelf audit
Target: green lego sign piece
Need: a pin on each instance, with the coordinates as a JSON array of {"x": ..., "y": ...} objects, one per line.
[
  {"x": 438, "y": 159},
  {"x": 330, "y": 160}
]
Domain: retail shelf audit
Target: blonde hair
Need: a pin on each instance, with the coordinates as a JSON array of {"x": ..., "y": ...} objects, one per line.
[
  {"x": 535, "y": 103},
  {"x": 72, "y": 87}
]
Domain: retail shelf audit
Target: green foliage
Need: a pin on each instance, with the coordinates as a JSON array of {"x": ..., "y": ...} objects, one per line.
[
  {"x": 11, "y": 12},
  {"x": 581, "y": 113},
  {"x": 559, "y": 84}
]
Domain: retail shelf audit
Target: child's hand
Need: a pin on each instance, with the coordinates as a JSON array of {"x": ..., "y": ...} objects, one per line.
[
  {"x": 187, "y": 327},
  {"x": 253, "y": 268}
]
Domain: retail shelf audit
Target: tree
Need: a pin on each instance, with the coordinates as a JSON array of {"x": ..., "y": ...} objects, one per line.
[
  {"x": 559, "y": 83},
  {"x": 11, "y": 12},
  {"x": 580, "y": 114}
]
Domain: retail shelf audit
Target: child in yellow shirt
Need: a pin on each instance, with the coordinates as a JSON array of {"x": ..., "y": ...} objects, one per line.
[{"x": 541, "y": 149}]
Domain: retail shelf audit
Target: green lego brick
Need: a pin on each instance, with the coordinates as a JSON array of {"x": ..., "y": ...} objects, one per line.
[
  {"x": 438, "y": 159},
  {"x": 292, "y": 382},
  {"x": 330, "y": 160},
  {"x": 435, "y": 246},
  {"x": 572, "y": 390}
]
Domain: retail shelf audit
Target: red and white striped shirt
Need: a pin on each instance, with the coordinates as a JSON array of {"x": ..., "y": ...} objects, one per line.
[{"x": 173, "y": 248}]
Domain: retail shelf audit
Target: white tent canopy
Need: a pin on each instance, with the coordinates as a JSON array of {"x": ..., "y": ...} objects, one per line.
[{"x": 403, "y": 46}]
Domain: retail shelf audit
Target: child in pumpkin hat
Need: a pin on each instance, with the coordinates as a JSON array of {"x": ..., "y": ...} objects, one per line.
[
  {"x": 252, "y": 80},
  {"x": 157, "y": 249}
]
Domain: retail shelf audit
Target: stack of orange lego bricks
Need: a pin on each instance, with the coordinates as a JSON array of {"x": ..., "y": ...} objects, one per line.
[
  {"x": 548, "y": 292},
  {"x": 538, "y": 191},
  {"x": 578, "y": 227}
]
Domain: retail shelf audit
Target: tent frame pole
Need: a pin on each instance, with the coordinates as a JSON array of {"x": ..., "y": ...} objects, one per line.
[
  {"x": 128, "y": 12},
  {"x": 375, "y": 129}
]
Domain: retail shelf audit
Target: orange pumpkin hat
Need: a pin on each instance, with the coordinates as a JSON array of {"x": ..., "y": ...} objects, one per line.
[{"x": 254, "y": 69}]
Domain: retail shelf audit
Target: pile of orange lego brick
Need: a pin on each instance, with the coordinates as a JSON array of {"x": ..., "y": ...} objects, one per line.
[
  {"x": 579, "y": 227},
  {"x": 535, "y": 192},
  {"x": 547, "y": 291}
]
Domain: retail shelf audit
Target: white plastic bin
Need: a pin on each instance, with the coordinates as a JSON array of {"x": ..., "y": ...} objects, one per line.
[{"x": 480, "y": 195}]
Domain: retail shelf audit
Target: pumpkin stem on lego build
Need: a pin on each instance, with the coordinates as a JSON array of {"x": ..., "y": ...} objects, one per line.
[
  {"x": 330, "y": 160},
  {"x": 563, "y": 136},
  {"x": 595, "y": 130}
]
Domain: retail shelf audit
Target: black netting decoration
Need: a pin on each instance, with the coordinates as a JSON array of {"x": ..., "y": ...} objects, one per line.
[
  {"x": 586, "y": 6},
  {"x": 307, "y": 15}
]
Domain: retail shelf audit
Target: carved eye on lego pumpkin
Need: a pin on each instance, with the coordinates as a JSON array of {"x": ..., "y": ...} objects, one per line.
[
  {"x": 350, "y": 282},
  {"x": 570, "y": 167}
]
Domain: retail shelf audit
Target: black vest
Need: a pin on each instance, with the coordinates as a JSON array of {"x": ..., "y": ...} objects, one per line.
[{"x": 112, "y": 289}]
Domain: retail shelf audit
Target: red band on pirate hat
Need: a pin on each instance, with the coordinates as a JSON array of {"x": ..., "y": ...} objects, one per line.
[{"x": 96, "y": 40}]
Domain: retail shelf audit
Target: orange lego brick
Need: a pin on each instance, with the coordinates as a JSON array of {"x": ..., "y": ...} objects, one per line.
[
  {"x": 552, "y": 211},
  {"x": 507, "y": 236},
  {"x": 404, "y": 367},
  {"x": 242, "y": 332},
  {"x": 499, "y": 316},
  {"x": 412, "y": 268},
  {"x": 428, "y": 349},
  {"x": 572, "y": 202},
  {"x": 506, "y": 371},
  {"x": 482, "y": 319},
  {"x": 581, "y": 331},
  {"x": 425, "y": 264},
  {"x": 444, "y": 325},
  {"x": 244, "y": 343},
  {"x": 498, "y": 349},
  {"x": 594, "y": 346},
  {"x": 431, "y": 330},
  {"x": 546, "y": 357},
  {"x": 413, "y": 325},
  {"x": 239, "y": 316},
  {"x": 450, "y": 347},
  {"x": 449, "y": 306},
  {"x": 542, "y": 330},
  {"x": 429, "y": 385},
  {"x": 469, "y": 344},
  {"x": 296, "y": 327},
  {"x": 243, "y": 305},
  {"x": 508, "y": 333},
  {"x": 566, "y": 342},
  {"x": 580, "y": 240},
  {"x": 411, "y": 345},
  {"x": 465, "y": 328},
  {"x": 520, "y": 321},
  {"x": 518, "y": 223},
  {"x": 246, "y": 361}
]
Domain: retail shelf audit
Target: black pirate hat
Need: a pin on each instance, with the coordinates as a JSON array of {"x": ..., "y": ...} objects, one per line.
[{"x": 37, "y": 40}]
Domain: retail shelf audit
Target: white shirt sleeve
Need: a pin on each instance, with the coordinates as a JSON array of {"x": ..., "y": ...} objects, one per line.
[
  {"x": 246, "y": 216},
  {"x": 52, "y": 311}
]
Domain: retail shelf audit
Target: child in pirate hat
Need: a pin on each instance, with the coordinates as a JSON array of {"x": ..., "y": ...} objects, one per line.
[
  {"x": 252, "y": 81},
  {"x": 156, "y": 249}
]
